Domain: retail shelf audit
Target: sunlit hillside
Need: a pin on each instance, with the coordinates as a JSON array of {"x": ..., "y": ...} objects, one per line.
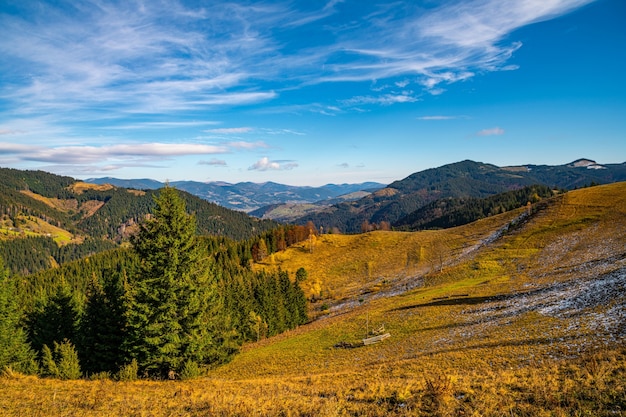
[
  {"x": 522, "y": 314},
  {"x": 348, "y": 269}
]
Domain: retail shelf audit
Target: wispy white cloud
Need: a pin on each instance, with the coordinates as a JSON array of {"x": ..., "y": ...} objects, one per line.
[
  {"x": 243, "y": 145},
  {"x": 265, "y": 164},
  {"x": 385, "y": 99},
  {"x": 214, "y": 162},
  {"x": 131, "y": 57},
  {"x": 15, "y": 148},
  {"x": 494, "y": 131},
  {"x": 160, "y": 57},
  {"x": 442, "y": 45},
  {"x": 283, "y": 132},
  {"x": 164, "y": 125},
  {"x": 10, "y": 132},
  {"x": 102, "y": 154},
  {"x": 137, "y": 65},
  {"x": 230, "y": 130}
]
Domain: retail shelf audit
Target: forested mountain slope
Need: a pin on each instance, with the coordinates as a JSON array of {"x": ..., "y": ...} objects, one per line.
[
  {"x": 458, "y": 180},
  {"x": 49, "y": 219},
  {"x": 451, "y": 212}
]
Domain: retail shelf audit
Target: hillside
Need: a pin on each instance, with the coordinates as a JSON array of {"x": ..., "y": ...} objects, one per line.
[
  {"x": 518, "y": 308},
  {"x": 522, "y": 313},
  {"x": 458, "y": 180},
  {"x": 47, "y": 219},
  {"x": 451, "y": 212}
]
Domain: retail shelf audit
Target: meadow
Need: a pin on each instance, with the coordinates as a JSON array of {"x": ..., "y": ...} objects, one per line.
[{"x": 521, "y": 314}]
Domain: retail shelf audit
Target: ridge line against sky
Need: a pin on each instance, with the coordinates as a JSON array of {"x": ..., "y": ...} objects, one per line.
[{"x": 308, "y": 92}]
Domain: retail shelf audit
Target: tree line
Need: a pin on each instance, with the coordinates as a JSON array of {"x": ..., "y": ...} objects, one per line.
[
  {"x": 33, "y": 254},
  {"x": 451, "y": 212},
  {"x": 167, "y": 306}
]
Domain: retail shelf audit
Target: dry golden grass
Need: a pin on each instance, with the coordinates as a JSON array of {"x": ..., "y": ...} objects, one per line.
[
  {"x": 80, "y": 187},
  {"x": 529, "y": 324},
  {"x": 591, "y": 385},
  {"x": 63, "y": 205},
  {"x": 342, "y": 267}
]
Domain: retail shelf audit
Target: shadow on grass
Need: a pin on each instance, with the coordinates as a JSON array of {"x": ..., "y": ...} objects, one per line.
[
  {"x": 456, "y": 301},
  {"x": 466, "y": 300},
  {"x": 537, "y": 341}
]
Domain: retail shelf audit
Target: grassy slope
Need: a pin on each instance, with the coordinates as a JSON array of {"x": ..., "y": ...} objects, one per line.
[{"x": 531, "y": 323}]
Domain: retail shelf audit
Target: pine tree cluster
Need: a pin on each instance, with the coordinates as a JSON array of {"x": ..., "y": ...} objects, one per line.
[{"x": 167, "y": 307}]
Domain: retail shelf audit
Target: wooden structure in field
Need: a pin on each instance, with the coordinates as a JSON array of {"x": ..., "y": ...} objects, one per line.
[
  {"x": 376, "y": 339},
  {"x": 375, "y": 336}
]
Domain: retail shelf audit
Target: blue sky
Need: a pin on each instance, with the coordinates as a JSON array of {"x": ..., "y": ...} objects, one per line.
[{"x": 308, "y": 92}]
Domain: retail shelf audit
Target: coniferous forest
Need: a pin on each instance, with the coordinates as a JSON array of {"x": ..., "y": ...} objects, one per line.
[{"x": 168, "y": 305}]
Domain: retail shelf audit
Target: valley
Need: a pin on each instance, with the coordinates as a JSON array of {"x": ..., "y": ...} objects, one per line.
[
  {"x": 313, "y": 208},
  {"x": 508, "y": 315}
]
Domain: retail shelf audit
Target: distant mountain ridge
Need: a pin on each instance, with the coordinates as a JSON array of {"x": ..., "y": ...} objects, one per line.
[
  {"x": 247, "y": 196},
  {"x": 458, "y": 180}
]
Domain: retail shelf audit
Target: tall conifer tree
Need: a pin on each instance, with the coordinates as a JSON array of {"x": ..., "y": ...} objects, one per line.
[{"x": 172, "y": 305}]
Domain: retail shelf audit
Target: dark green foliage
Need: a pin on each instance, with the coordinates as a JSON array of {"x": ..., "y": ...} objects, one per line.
[
  {"x": 54, "y": 319},
  {"x": 48, "y": 364},
  {"x": 98, "y": 283},
  {"x": 77, "y": 275},
  {"x": 120, "y": 208},
  {"x": 301, "y": 275},
  {"x": 28, "y": 255},
  {"x": 279, "y": 303},
  {"x": 39, "y": 182},
  {"x": 15, "y": 352},
  {"x": 103, "y": 325},
  {"x": 172, "y": 306},
  {"x": 34, "y": 254},
  {"x": 453, "y": 212},
  {"x": 171, "y": 303},
  {"x": 123, "y": 208},
  {"x": 190, "y": 370},
  {"x": 90, "y": 246}
]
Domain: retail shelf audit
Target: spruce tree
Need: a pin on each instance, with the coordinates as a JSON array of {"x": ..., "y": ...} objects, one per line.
[
  {"x": 172, "y": 304},
  {"x": 103, "y": 325},
  {"x": 55, "y": 318},
  {"x": 15, "y": 352}
]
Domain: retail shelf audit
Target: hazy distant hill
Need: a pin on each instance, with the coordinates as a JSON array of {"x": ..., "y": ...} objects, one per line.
[
  {"x": 290, "y": 212},
  {"x": 247, "y": 196},
  {"x": 458, "y": 180}
]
